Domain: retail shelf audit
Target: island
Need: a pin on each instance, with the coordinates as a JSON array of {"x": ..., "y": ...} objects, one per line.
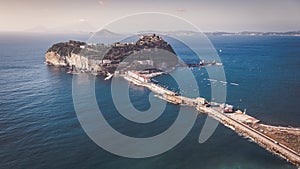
[
  {"x": 148, "y": 51},
  {"x": 139, "y": 61}
]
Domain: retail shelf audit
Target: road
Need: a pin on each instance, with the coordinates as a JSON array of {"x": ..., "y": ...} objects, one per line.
[
  {"x": 216, "y": 113},
  {"x": 258, "y": 137}
]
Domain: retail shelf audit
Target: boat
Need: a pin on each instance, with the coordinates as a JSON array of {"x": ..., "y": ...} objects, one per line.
[
  {"x": 234, "y": 84},
  {"x": 108, "y": 77},
  {"x": 212, "y": 80}
]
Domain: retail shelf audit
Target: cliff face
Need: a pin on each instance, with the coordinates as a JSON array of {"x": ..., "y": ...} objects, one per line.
[
  {"x": 80, "y": 56},
  {"x": 66, "y": 54}
]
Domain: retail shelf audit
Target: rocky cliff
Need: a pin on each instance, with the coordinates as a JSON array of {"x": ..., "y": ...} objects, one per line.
[{"x": 97, "y": 58}]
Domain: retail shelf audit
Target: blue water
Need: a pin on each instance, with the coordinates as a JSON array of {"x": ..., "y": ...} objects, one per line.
[{"x": 39, "y": 127}]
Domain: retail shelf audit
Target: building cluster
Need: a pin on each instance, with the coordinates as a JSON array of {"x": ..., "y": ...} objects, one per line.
[
  {"x": 152, "y": 41},
  {"x": 243, "y": 118},
  {"x": 227, "y": 108},
  {"x": 119, "y": 50}
]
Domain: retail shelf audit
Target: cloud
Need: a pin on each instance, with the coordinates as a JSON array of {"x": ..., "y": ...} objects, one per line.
[
  {"x": 101, "y": 3},
  {"x": 82, "y": 20},
  {"x": 181, "y": 10}
]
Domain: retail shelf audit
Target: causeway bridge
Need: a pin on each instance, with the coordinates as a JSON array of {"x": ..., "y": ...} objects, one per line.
[{"x": 238, "y": 121}]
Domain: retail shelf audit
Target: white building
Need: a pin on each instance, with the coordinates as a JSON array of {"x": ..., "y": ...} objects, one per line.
[
  {"x": 106, "y": 61},
  {"x": 201, "y": 100},
  {"x": 145, "y": 62}
]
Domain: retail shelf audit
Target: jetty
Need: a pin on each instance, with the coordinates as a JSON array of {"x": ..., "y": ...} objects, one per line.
[
  {"x": 201, "y": 63},
  {"x": 278, "y": 140}
]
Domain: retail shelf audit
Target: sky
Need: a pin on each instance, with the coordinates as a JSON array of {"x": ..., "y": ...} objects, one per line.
[{"x": 208, "y": 15}]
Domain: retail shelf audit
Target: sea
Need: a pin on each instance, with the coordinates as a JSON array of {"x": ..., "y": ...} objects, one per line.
[{"x": 39, "y": 128}]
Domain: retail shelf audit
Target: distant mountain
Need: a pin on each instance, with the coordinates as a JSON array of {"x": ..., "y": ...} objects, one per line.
[
  {"x": 85, "y": 27},
  {"x": 37, "y": 29},
  {"x": 249, "y": 33},
  {"x": 175, "y": 33},
  {"x": 244, "y": 33},
  {"x": 106, "y": 33}
]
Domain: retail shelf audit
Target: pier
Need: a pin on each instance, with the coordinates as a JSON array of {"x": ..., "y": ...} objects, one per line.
[{"x": 238, "y": 121}]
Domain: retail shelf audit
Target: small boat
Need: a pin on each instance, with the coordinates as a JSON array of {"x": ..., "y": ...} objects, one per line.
[
  {"x": 108, "y": 77},
  {"x": 234, "y": 84},
  {"x": 212, "y": 80}
]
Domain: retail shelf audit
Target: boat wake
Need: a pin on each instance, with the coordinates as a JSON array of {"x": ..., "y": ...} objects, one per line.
[{"x": 223, "y": 82}]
